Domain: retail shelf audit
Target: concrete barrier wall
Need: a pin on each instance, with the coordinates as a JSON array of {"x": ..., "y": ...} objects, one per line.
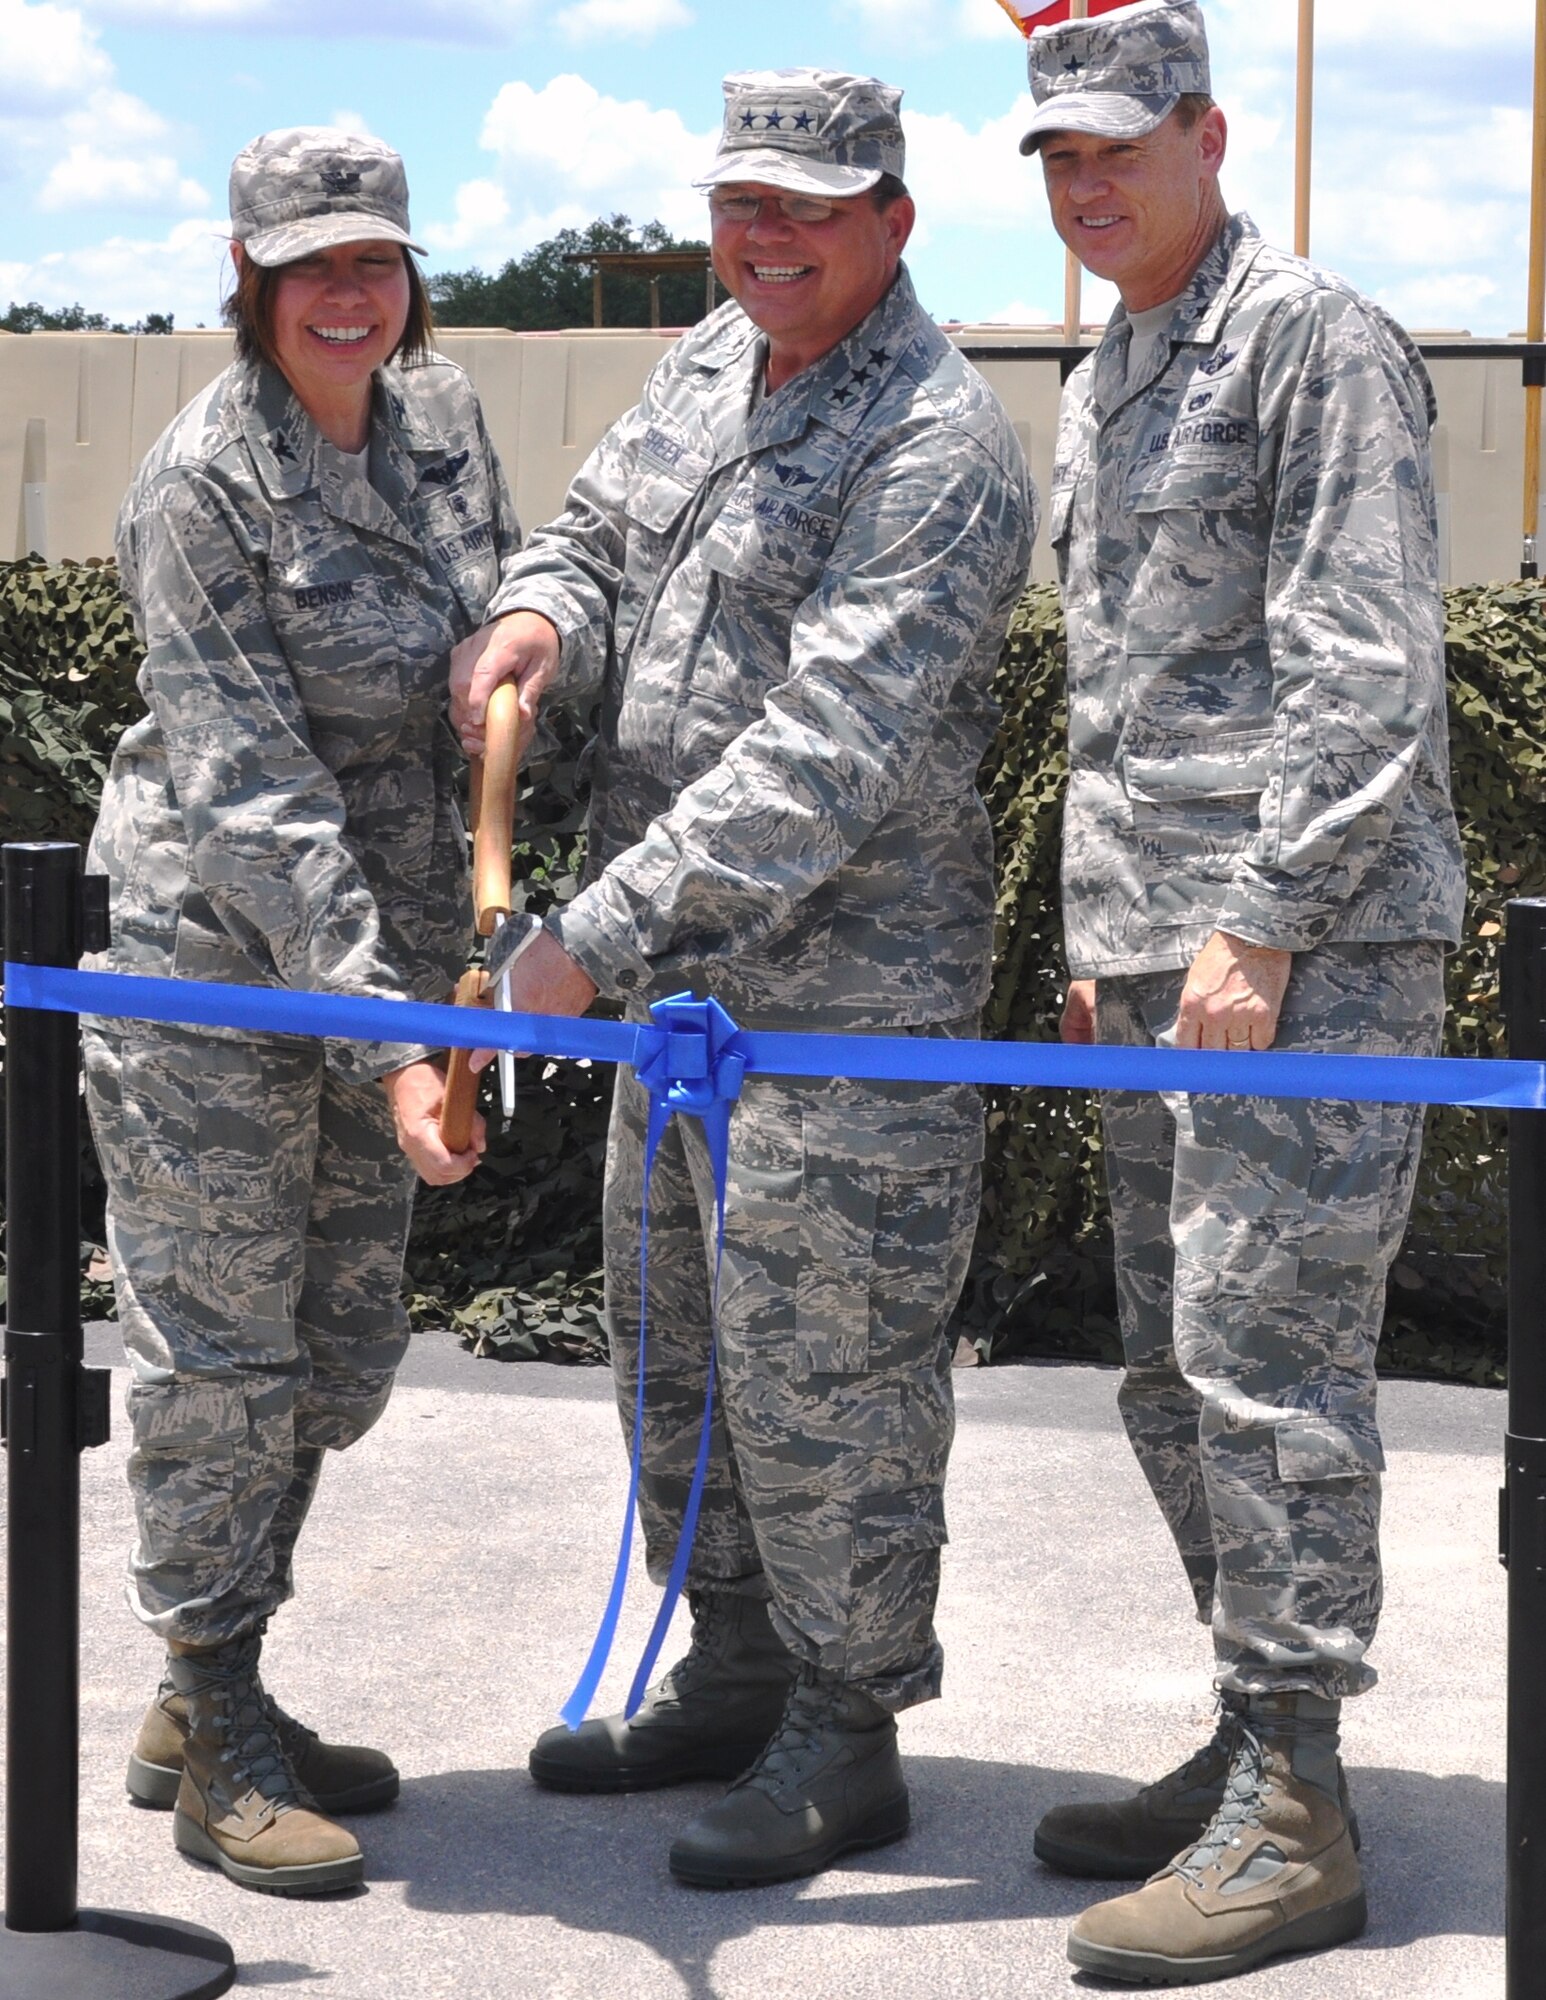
[{"x": 79, "y": 410}]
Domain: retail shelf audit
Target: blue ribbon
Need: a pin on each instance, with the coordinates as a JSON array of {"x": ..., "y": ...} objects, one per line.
[
  {"x": 692, "y": 1059},
  {"x": 1484, "y": 1082}
]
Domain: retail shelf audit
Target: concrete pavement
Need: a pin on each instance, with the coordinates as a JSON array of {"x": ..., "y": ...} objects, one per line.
[{"x": 449, "y": 1585}]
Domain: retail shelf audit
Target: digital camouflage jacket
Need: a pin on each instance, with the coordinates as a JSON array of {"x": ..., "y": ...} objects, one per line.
[
  {"x": 790, "y": 608},
  {"x": 1246, "y": 538},
  {"x": 286, "y": 813}
]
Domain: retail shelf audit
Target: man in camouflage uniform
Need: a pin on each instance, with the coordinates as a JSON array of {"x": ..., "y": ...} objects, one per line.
[
  {"x": 284, "y": 814},
  {"x": 1259, "y": 852},
  {"x": 787, "y": 574}
]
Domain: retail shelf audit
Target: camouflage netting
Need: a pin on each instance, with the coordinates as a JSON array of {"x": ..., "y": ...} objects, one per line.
[{"x": 512, "y": 1258}]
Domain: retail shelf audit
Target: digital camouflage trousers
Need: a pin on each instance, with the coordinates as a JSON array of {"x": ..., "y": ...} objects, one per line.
[
  {"x": 849, "y": 1220},
  {"x": 258, "y": 1212},
  {"x": 1253, "y": 1241}
]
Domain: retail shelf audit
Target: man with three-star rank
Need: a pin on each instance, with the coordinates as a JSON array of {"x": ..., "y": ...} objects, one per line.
[{"x": 786, "y": 576}]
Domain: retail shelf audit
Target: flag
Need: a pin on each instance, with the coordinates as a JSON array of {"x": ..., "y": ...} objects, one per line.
[{"x": 1028, "y": 14}]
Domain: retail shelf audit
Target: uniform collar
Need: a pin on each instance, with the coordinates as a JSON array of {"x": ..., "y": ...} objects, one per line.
[
  {"x": 1197, "y": 318},
  {"x": 291, "y": 456},
  {"x": 845, "y": 383}
]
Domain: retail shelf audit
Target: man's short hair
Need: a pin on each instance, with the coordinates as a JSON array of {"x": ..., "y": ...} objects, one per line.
[
  {"x": 890, "y": 188},
  {"x": 1192, "y": 109}
]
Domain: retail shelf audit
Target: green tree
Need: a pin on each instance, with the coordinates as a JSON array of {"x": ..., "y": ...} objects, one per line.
[
  {"x": 541, "y": 293},
  {"x": 33, "y": 318}
]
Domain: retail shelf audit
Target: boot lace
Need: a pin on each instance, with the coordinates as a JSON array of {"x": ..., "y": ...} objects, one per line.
[
  {"x": 1246, "y": 1789},
  {"x": 712, "y": 1614},
  {"x": 1190, "y": 1775},
  {"x": 797, "y": 1737},
  {"x": 225, "y": 1686}
]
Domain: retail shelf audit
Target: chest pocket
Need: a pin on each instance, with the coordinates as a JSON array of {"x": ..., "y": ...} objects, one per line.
[
  {"x": 459, "y": 528},
  {"x": 656, "y": 505},
  {"x": 770, "y": 541},
  {"x": 331, "y": 616},
  {"x": 1200, "y": 576}
]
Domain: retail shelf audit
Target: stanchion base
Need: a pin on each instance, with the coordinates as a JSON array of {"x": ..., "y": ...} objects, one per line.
[{"x": 114, "y": 1955}]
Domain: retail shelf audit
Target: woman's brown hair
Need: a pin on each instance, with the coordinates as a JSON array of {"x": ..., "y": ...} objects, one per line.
[{"x": 249, "y": 312}]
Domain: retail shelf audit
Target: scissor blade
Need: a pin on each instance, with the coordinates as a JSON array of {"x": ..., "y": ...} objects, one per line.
[{"x": 504, "y": 1001}]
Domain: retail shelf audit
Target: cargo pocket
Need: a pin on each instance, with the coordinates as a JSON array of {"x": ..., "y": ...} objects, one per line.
[
  {"x": 207, "y": 1129},
  {"x": 837, "y": 1264},
  {"x": 891, "y": 1524},
  {"x": 1311, "y": 1450},
  {"x": 190, "y": 1448}
]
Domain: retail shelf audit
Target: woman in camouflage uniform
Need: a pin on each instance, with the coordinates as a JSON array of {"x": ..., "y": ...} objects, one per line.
[{"x": 302, "y": 548}]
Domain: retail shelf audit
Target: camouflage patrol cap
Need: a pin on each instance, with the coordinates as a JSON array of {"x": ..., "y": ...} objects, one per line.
[
  {"x": 309, "y": 187},
  {"x": 1119, "y": 75},
  {"x": 812, "y": 131}
]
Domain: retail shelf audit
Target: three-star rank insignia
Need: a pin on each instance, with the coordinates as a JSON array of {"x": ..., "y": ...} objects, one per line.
[{"x": 776, "y": 120}]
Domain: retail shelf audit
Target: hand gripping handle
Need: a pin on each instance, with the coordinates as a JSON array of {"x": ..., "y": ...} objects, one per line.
[{"x": 492, "y": 800}]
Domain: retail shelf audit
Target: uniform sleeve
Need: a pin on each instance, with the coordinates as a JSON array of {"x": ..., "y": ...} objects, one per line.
[
  {"x": 1354, "y": 617},
  {"x": 263, "y": 817},
  {"x": 933, "y": 549},
  {"x": 571, "y": 571}
]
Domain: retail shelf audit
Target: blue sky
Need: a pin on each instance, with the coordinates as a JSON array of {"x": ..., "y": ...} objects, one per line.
[{"x": 119, "y": 119}]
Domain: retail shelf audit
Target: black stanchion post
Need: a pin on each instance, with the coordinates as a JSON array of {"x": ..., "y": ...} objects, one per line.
[
  {"x": 1524, "y": 1497},
  {"x": 55, "y": 1408}
]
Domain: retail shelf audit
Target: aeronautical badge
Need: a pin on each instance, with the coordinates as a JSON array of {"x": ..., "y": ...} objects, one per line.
[
  {"x": 445, "y": 473},
  {"x": 1219, "y": 362},
  {"x": 794, "y": 476}
]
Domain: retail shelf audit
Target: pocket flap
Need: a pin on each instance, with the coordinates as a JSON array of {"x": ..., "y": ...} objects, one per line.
[
  {"x": 178, "y": 1416},
  {"x": 1160, "y": 768},
  {"x": 1316, "y": 1448},
  {"x": 887, "y": 1524}
]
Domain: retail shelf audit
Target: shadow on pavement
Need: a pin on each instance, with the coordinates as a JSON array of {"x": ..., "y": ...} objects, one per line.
[{"x": 491, "y": 1841}]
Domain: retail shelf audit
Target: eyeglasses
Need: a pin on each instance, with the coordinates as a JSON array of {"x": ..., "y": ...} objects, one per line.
[{"x": 793, "y": 207}]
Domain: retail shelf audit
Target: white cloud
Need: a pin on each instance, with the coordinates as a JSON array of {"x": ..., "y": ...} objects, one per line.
[
  {"x": 482, "y": 212},
  {"x": 595, "y": 20},
  {"x": 128, "y": 277},
  {"x": 1019, "y": 312},
  {"x": 48, "y": 57},
  {"x": 455, "y": 21},
  {"x": 116, "y": 158},
  {"x": 351, "y": 121},
  {"x": 564, "y": 154}
]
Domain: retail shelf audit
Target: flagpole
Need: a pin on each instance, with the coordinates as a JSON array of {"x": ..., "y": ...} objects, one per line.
[
  {"x": 1304, "y": 127},
  {"x": 1535, "y": 326},
  {"x": 1072, "y": 272}
]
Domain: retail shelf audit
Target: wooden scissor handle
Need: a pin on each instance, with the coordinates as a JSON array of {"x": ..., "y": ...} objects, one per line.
[
  {"x": 461, "y": 1098},
  {"x": 491, "y": 796},
  {"x": 494, "y": 776}
]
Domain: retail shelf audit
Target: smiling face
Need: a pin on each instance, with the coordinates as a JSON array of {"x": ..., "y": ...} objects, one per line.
[
  {"x": 1141, "y": 212},
  {"x": 327, "y": 321},
  {"x": 807, "y": 285}
]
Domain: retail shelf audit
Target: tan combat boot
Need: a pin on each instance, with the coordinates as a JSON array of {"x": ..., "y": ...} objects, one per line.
[
  {"x": 238, "y": 1804},
  {"x": 1274, "y": 1871},
  {"x": 337, "y": 1777},
  {"x": 1128, "y": 1840}
]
